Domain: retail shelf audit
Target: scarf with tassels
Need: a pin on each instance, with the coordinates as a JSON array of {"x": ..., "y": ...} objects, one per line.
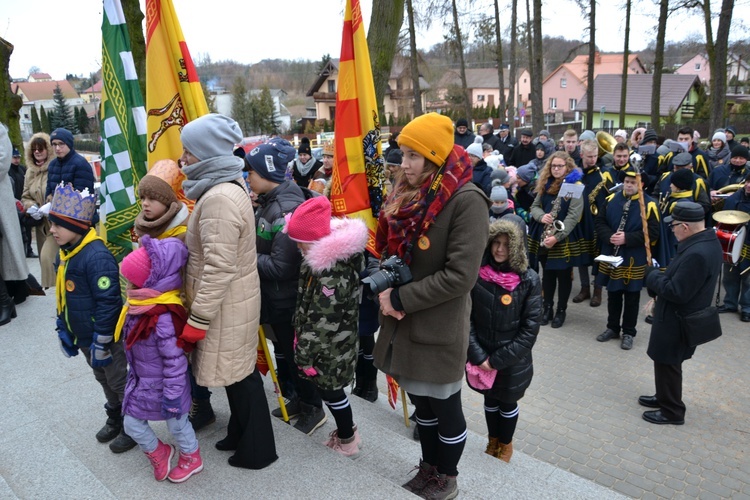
[
  {"x": 403, "y": 224},
  {"x": 143, "y": 301},
  {"x": 65, "y": 256}
]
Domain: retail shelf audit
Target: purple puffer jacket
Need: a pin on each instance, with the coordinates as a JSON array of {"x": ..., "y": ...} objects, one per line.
[{"x": 158, "y": 368}]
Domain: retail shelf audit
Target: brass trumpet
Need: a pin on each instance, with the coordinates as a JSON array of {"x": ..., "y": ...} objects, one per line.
[{"x": 605, "y": 142}]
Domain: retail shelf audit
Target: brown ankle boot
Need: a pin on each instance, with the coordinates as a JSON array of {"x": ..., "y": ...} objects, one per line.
[
  {"x": 584, "y": 294},
  {"x": 596, "y": 299},
  {"x": 492, "y": 447},
  {"x": 505, "y": 451}
]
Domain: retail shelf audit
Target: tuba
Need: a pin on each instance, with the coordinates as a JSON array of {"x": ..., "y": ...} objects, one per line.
[
  {"x": 605, "y": 142},
  {"x": 718, "y": 205}
]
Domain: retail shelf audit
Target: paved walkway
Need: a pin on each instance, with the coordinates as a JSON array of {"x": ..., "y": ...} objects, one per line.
[{"x": 581, "y": 412}]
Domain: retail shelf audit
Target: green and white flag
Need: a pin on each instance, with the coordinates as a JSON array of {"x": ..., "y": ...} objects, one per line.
[{"x": 123, "y": 131}]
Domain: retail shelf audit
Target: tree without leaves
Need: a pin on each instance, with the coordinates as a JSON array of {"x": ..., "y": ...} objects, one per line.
[
  {"x": 513, "y": 62},
  {"x": 459, "y": 47},
  {"x": 413, "y": 61},
  {"x": 538, "y": 64},
  {"x": 10, "y": 103},
  {"x": 499, "y": 39},
  {"x": 590, "y": 66},
  {"x": 382, "y": 38},
  {"x": 134, "y": 19},
  {"x": 658, "y": 65},
  {"x": 625, "y": 57}
]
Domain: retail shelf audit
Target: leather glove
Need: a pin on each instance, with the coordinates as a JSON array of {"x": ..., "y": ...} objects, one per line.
[
  {"x": 68, "y": 348},
  {"x": 192, "y": 334},
  {"x": 170, "y": 408},
  {"x": 100, "y": 356},
  {"x": 310, "y": 372}
]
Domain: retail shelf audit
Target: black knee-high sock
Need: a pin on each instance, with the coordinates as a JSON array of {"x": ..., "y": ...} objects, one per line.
[
  {"x": 338, "y": 403},
  {"x": 365, "y": 367},
  {"x": 507, "y": 420},
  {"x": 492, "y": 417}
]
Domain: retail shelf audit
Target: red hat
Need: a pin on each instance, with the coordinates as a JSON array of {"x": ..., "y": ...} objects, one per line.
[
  {"x": 136, "y": 267},
  {"x": 311, "y": 221}
]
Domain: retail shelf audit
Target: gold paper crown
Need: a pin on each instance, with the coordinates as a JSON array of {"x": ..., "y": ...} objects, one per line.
[{"x": 78, "y": 205}]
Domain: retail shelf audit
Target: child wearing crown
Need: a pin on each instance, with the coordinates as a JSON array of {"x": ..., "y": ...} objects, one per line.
[{"x": 89, "y": 303}]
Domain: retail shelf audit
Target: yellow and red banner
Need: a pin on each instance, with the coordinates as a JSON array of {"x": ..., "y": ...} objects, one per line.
[
  {"x": 357, "y": 181},
  {"x": 173, "y": 90}
]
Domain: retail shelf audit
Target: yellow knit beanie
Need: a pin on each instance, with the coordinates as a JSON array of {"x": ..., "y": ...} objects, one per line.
[{"x": 430, "y": 135}]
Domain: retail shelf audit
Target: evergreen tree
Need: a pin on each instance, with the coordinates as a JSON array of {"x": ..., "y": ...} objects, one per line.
[
  {"x": 44, "y": 120},
  {"x": 82, "y": 121},
  {"x": 242, "y": 109},
  {"x": 265, "y": 112},
  {"x": 76, "y": 116},
  {"x": 62, "y": 117},
  {"x": 36, "y": 125}
]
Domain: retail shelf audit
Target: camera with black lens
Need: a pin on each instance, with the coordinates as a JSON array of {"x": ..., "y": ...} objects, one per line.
[{"x": 393, "y": 272}]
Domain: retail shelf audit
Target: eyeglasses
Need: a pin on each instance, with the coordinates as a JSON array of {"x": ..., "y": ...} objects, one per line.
[
  {"x": 58, "y": 144},
  {"x": 38, "y": 150},
  {"x": 671, "y": 226},
  {"x": 557, "y": 166}
]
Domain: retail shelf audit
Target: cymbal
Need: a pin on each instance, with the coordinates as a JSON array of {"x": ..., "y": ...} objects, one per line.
[{"x": 731, "y": 217}]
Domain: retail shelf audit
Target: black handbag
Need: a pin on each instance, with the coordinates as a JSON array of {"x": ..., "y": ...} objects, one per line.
[{"x": 701, "y": 326}]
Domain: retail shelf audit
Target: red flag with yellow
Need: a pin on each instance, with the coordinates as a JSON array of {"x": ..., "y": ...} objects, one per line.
[
  {"x": 173, "y": 91},
  {"x": 357, "y": 181}
]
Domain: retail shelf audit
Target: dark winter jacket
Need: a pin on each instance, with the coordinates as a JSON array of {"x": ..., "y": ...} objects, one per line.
[
  {"x": 727, "y": 174},
  {"x": 506, "y": 146},
  {"x": 278, "y": 256},
  {"x": 158, "y": 368},
  {"x": 740, "y": 200},
  {"x": 73, "y": 169},
  {"x": 327, "y": 315},
  {"x": 304, "y": 180},
  {"x": 504, "y": 324},
  {"x": 482, "y": 177},
  {"x": 492, "y": 140},
  {"x": 688, "y": 285},
  {"x": 521, "y": 155},
  {"x": 17, "y": 174},
  {"x": 93, "y": 300},
  {"x": 464, "y": 140}
]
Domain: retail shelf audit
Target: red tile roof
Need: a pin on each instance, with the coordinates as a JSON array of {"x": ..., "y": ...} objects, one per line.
[{"x": 41, "y": 91}]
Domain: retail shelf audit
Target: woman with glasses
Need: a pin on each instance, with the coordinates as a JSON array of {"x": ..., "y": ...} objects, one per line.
[
  {"x": 557, "y": 247},
  {"x": 38, "y": 157}
]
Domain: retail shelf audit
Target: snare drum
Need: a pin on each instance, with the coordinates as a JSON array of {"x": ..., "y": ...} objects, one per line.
[{"x": 731, "y": 243}]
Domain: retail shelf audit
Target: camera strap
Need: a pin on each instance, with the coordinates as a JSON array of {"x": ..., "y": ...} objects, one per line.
[{"x": 429, "y": 198}]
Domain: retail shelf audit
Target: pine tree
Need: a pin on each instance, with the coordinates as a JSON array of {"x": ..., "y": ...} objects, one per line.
[
  {"x": 44, "y": 120},
  {"x": 83, "y": 121},
  {"x": 242, "y": 110},
  {"x": 265, "y": 111},
  {"x": 62, "y": 117},
  {"x": 36, "y": 125},
  {"x": 76, "y": 115}
]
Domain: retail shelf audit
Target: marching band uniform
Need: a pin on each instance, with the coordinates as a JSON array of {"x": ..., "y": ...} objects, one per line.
[
  {"x": 737, "y": 285},
  {"x": 624, "y": 282}
]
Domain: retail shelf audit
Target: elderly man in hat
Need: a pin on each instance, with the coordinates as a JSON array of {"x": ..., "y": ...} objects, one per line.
[
  {"x": 685, "y": 287},
  {"x": 506, "y": 142},
  {"x": 222, "y": 285}
]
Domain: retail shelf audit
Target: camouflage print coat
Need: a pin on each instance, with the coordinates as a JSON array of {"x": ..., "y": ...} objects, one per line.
[{"x": 327, "y": 312}]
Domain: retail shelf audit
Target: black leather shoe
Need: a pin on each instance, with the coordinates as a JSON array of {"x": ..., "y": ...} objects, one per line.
[
  {"x": 745, "y": 317},
  {"x": 608, "y": 334},
  {"x": 724, "y": 309},
  {"x": 559, "y": 319},
  {"x": 649, "y": 319},
  {"x": 648, "y": 401},
  {"x": 656, "y": 417}
]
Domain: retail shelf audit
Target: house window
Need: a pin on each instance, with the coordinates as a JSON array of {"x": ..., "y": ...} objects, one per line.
[
  {"x": 608, "y": 124},
  {"x": 480, "y": 97},
  {"x": 563, "y": 82},
  {"x": 331, "y": 113},
  {"x": 573, "y": 104},
  {"x": 332, "y": 86},
  {"x": 524, "y": 80},
  {"x": 553, "y": 103},
  {"x": 697, "y": 66}
]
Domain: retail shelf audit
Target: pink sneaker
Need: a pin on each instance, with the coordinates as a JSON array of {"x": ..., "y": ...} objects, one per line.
[
  {"x": 333, "y": 438},
  {"x": 189, "y": 464},
  {"x": 160, "y": 459}
]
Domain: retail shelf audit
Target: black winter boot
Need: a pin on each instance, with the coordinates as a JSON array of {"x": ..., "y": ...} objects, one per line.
[
  {"x": 201, "y": 414},
  {"x": 7, "y": 307},
  {"x": 371, "y": 391},
  {"x": 122, "y": 443},
  {"x": 359, "y": 385},
  {"x": 112, "y": 427},
  {"x": 546, "y": 314},
  {"x": 559, "y": 319}
]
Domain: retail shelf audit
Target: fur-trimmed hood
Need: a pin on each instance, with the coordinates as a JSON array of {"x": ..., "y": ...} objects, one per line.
[
  {"x": 30, "y": 153},
  {"x": 348, "y": 237},
  {"x": 517, "y": 258}
]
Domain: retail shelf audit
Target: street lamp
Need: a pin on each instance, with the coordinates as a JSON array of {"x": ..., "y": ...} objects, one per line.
[{"x": 601, "y": 116}]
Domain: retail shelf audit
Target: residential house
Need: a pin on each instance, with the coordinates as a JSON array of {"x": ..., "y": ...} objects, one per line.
[
  {"x": 40, "y": 93},
  {"x": 563, "y": 88},
  {"x": 698, "y": 66},
  {"x": 484, "y": 88},
  {"x": 397, "y": 102},
  {"x": 678, "y": 97},
  {"x": 39, "y": 77},
  {"x": 223, "y": 102},
  {"x": 93, "y": 93}
]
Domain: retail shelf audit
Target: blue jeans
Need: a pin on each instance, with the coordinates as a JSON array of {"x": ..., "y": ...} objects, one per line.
[
  {"x": 736, "y": 287},
  {"x": 142, "y": 433}
]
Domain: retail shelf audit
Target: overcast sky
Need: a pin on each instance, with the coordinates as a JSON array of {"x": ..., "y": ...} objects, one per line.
[{"x": 65, "y": 37}]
